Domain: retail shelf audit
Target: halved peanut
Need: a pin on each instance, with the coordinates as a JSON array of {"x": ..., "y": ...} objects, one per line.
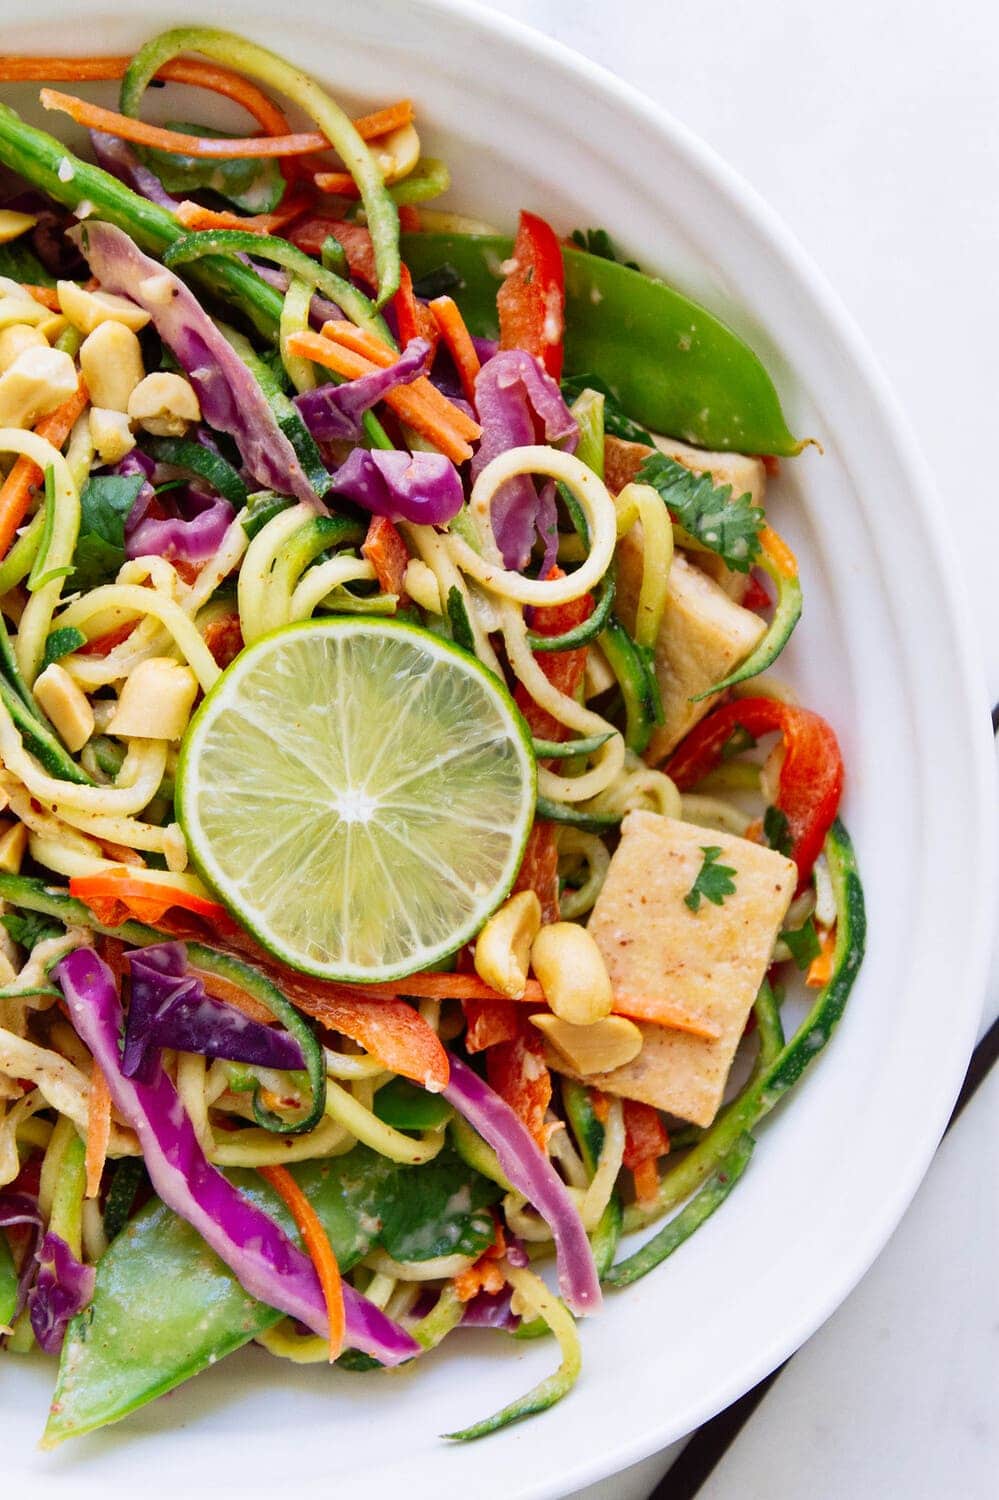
[
  {"x": 156, "y": 701},
  {"x": 164, "y": 404},
  {"x": 66, "y": 705},
  {"x": 111, "y": 434},
  {"x": 13, "y": 843},
  {"x": 397, "y": 153},
  {"x": 85, "y": 310},
  {"x": 421, "y": 584},
  {"x": 599, "y": 1048},
  {"x": 503, "y": 947},
  {"x": 14, "y": 224},
  {"x": 15, "y": 339},
  {"x": 573, "y": 975},
  {"x": 111, "y": 364}
]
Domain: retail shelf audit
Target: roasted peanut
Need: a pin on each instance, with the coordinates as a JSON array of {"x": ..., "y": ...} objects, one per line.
[
  {"x": 66, "y": 705},
  {"x": 111, "y": 364},
  {"x": 572, "y": 972},
  {"x": 156, "y": 701},
  {"x": 164, "y": 404},
  {"x": 587, "y": 1050},
  {"x": 503, "y": 947}
]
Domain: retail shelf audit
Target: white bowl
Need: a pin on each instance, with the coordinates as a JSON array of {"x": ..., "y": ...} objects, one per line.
[{"x": 884, "y": 650}]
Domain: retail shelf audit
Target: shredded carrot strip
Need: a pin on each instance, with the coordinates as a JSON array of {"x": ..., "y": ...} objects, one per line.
[
  {"x": 382, "y": 121},
  {"x": 411, "y": 402},
  {"x": 341, "y": 184},
  {"x": 372, "y": 349},
  {"x": 458, "y": 341},
  {"x": 15, "y": 494},
  {"x": 646, "y": 1178},
  {"x": 317, "y": 1243},
  {"x": 98, "y": 1130},
  {"x": 779, "y": 553},
  {"x": 820, "y": 969},
  {"x": 193, "y": 216},
  {"x": 95, "y": 118},
  {"x": 46, "y": 295}
]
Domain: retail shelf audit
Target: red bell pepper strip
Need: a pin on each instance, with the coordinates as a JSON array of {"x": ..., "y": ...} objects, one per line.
[
  {"x": 531, "y": 301},
  {"x": 115, "y": 895},
  {"x": 517, "y": 1071},
  {"x": 310, "y": 234},
  {"x": 811, "y": 776},
  {"x": 414, "y": 319},
  {"x": 387, "y": 553}
]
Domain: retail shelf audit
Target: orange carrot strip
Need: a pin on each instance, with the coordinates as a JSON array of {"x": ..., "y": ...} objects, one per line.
[
  {"x": 646, "y": 1179},
  {"x": 410, "y": 403},
  {"x": 95, "y": 118},
  {"x": 382, "y": 121},
  {"x": 371, "y": 348},
  {"x": 317, "y": 1243},
  {"x": 194, "y": 216},
  {"x": 341, "y": 184},
  {"x": 46, "y": 295},
  {"x": 98, "y": 1130},
  {"x": 779, "y": 553},
  {"x": 458, "y": 341},
  {"x": 820, "y": 969},
  {"x": 15, "y": 493}
]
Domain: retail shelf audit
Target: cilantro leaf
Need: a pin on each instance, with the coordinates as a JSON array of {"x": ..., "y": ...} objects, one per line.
[
  {"x": 714, "y": 881},
  {"x": 777, "y": 831},
  {"x": 803, "y": 943},
  {"x": 105, "y": 505},
  {"x": 61, "y": 642},
  {"x": 616, "y": 420},
  {"x": 29, "y": 928},
  {"x": 731, "y": 528},
  {"x": 598, "y": 242},
  {"x": 254, "y": 184}
]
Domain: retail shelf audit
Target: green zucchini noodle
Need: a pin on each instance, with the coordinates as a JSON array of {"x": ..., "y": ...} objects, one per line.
[
  {"x": 128, "y": 601},
  {"x": 440, "y": 1268},
  {"x": 608, "y": 1167},
  {"x": 58, "y": 542},
  {"x": 639, "y": 786},
  {"x": 295, "y": 319},
  {"x": 712, "y": 812},
  {"x": 435, "y": 550},
  {"x": 342, "y": 1107},
  {"x": 639, "y": 504}
]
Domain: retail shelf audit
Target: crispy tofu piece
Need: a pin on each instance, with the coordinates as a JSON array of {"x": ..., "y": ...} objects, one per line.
[
  {"x": 704, "y": 635},
  {"x": 746, "y": 475},
  {"x": 710, "y": 962}
]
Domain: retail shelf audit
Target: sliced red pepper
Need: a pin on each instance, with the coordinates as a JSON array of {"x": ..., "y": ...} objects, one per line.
[
  {"x": 116, "y": 895},
  {"x": 224, "y": 639},
  {"x": 531, "y": 301},
  {"x": 310, "y": 234},
  {"x": 490, "y": 1022},
  {"x": 415, "y": 321},
  {"x": 564, "y": 669},
  {"x": 517, "y": 1071},
  {"x": 811, "y": 776},
  {"x": 645, "y": 1137},
  {"x": 388, "y": 554},
  {"x": 756, "y": 596}
]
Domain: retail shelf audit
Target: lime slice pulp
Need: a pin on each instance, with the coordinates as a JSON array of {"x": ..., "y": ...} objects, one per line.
[{"x": 358, "y": 793}]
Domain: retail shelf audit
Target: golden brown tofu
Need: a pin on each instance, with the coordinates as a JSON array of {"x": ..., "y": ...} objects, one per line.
[
  {"x": 704, "y": 635},
  {"x": 745, "y": 474},
  {"x": 709, "y": 962}
]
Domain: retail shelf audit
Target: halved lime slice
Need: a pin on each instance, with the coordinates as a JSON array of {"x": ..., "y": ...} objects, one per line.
[{"x": 359, "y": 794}]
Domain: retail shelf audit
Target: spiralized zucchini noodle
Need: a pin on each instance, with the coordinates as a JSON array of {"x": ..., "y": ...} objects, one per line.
[{"x": 409, "y": 861}]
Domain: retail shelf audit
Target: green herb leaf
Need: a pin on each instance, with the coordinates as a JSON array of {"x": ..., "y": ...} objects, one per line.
[
  {"x": 28, "y": 928},
  {"x": 777, "y": 831},
  {"x": 714, "y": 881},
  {"x": 803, "y": 943},
  {"x": 253, "y": 184},
  {"x": 105, "y": 505},
  {"x": 739, "y": 740},
  {"x": 706, "y": 511},
  {"x": 61, "y": 642},
  {"x": 616, "y": 420},
  {"x": 598, "y": 242}
]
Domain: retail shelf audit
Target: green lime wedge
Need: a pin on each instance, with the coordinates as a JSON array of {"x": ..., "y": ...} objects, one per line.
[{"x": 358, "y": 793}]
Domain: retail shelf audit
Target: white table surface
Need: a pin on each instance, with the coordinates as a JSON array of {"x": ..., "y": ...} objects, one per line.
[{"x": 872, "y": 126}]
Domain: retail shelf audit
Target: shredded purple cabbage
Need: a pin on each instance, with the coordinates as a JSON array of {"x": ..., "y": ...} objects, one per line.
[
  {"x": 231, "y": 400},
  {"x": 514, "y": 398},
  {"x": 532, "y": 1174},
  {"x": 169, "y": 1008},
  {"x": 335, "y": 411},
  {"x": 421, "y": 487},
  {"x": 63, "y": 1287},
  {"x": 267, "y": 1263},
  {"x": 137, "y": 462},
  {"x": 193, "y": 541},
  {"x": 490, "y": 1310},
  {"x": 18, "y": 1208},
  {"x": 118, "y": 158}
]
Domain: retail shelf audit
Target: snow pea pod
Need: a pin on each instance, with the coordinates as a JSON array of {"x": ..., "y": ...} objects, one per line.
[
  {"x": 8, "y": 1284},
  {"x": 670, "y": 363}
]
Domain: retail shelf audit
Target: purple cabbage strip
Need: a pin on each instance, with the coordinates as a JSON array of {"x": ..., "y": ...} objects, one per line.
[
  {"x": 63, "y": 1287},
  {"x": 18, "y": 1208},
  {"x": 335, "y": 411},
  {"x": 421, "y": 487},
  {"x": 118, "y": 158},
  {"x": 321, "y": 310},
  {"x": 169, "y": 1008},
  {"x": 513, "y": 397},
  {"x": 194, "y": 541},
  {"x": 137, "y": 462},
  {"x": 231, "y": 400},
  {"x": 267, "y": 1263},
  {"x": 490, "y": 1310},
  {"x": 532, "y": 1174}
]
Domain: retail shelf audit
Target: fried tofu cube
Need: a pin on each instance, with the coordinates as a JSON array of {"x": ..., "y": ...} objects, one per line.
[
  {"x": 710, "y": 962},
  {"x": 704, "y": 635}
]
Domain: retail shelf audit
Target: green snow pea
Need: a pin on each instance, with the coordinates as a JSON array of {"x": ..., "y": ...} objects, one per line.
[
  {"x": 8, "y": 1283},
  {"x": 671, "y": 364},
  {"x": 165, "y": 1306}
]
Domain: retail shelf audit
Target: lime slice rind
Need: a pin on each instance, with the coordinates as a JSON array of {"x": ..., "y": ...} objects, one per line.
[{"x": 359, "y": 794}]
